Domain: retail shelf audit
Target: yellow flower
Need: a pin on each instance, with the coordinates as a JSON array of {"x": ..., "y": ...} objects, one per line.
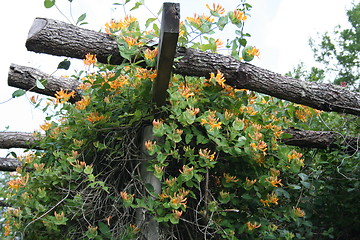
[
  {"x": 63, "y": 96},
  {"x": 81, "y": 105},
  {"x": 219, "y": 78},
  {"x": 150, "y": 54},
  {"x": 239, "y": 15},
  {"x": 46, "y": 126},
  {"x": 216, "y": 8},
  {"x": 90, "y": 59},
  {"x": 7, "y": 228},
  {"x": 298, "y": 212},
  {"x": 271, "y": 198},
  {"x": 252, "y": 226},
  {"x": 254, "y": 52}
]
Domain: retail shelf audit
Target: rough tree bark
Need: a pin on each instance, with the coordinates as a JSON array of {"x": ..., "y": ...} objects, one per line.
[
  {"x": 25, "y": 78},
  {"x": 9, "y": 164},
  {"x": 62, "y": 39},
  {"x": 322, "y": 139},
  {"x": 18, "y": 140}
]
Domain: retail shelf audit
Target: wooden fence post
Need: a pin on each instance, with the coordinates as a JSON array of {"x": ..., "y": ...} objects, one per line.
[{"x": 169, "y": 33}]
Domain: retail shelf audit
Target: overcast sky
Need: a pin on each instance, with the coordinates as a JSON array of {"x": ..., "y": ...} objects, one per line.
[{"x": 279, "y": 28}]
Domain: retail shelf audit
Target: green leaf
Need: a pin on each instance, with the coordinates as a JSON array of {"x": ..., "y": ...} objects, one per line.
[
  {"x": 41, "y": 83},
  {"x": 137, "y": 5},
  {"x": 150, "y": 20},
  {"x": 81, "y": 18},
  {"x": 64, "y": 64},
  {"x": 286, "y": 136},
  {"x": 18, "y": 93},
  {"x": 49, "y": 3},
  {"x": 104, "y": 229}
]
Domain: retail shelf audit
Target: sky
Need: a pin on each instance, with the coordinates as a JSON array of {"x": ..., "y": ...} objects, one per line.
[{"x": 279, "y": 28}]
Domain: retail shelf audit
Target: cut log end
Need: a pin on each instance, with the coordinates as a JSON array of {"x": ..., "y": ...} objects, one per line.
[{"x": 37, "y": 26}]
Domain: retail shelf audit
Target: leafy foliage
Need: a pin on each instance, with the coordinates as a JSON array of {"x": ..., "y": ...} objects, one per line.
[{"x": 224, "y": 173}]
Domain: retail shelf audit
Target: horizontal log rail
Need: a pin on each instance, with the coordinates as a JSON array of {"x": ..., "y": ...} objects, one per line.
[{"x": 62, "y": 39}]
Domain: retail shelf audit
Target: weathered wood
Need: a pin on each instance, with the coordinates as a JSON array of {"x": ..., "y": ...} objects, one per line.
[
  {"x": 18, "y": 140},
  {"x": 9, "y": 164},
  {"x": 169, "y": 34},
  {"x": 62, "y": 39},
  {"x": 322, "y": 139},
  {"x": 57, "y": 38},
  {"x": 25, "y": 78}
]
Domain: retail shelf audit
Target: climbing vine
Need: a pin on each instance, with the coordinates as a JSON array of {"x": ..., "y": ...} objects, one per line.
[{"x": 224, "y": 172}]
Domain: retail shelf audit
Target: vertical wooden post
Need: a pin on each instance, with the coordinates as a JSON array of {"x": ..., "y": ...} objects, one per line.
[{"x": 169, "y": 33}]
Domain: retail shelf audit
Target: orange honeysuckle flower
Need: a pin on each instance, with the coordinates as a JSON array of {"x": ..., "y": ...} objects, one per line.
[
  {"x": 7, "y": 228},
  {"x": 193, "y": 111},
  {"x": 185, "y": 90},
  {"x": 143, "y": 73},
  {"x": 118, "y": 83},
  {"x": 157, "y": 123},
  {"x": 90, "y": 59},
  {"x": 134, "y": 229},
  {"x": 252, "y": 226},
  {"x": 126, "y": 196},
  {"x": 208, "y": 18},
  {"x": 64, "y": 96},
  {"x": 83, "y": 103},
  {"x": 186, "y": 170},
  {"x": 273, "y": 198},
  {"x": 250, "y": 182},
  {"x": 171, "y": 182},
  {"x": 239, "y": 15},
  {"x": 46, "y": 126},
  {"x": 150, "y": 54},
  {"x": 131, "y": 41},
  {"x": 254, "y": 52},
  {"x": 149, "y": 145},
  {"x": 298, "y": 212},
  {"x": 205, "y": 153},
  {"x": 178, "y": 200},
  {"x": 94, "y": 117},
  {"x": 212, "y": 121},
  {"x": 177, "y": 214},
  {"x": 196, "y": 19},
  {"x": 219, "y": 78},
  {"x": 216, "y": 8},
  {"x": 274, "y": 181},
  {"x": 219, "y": 43},
  {"x": 84, "y": 86},
  {"x": 229, "y": 178}
]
